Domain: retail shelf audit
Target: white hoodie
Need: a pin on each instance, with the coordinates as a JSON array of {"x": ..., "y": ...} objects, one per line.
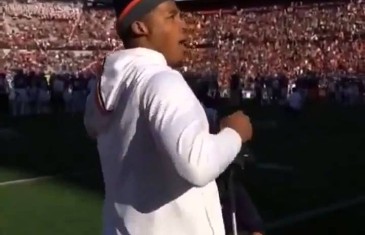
[{"x": 158, "y": 159}]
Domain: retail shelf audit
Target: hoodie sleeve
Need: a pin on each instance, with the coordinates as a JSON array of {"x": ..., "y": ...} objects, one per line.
[
  {"x": 179, "y": 126},
  {"x": 96, "y": 116}
]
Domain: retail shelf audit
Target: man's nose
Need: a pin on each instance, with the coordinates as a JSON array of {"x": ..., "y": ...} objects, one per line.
[{"x": 183, "y": 25}]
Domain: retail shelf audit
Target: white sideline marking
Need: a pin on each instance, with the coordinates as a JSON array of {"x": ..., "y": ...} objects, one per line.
[
  {"x": 289, "y": 220},
  {"x": 22, "y": 181},
  {"x": 39, "y": 178},
  {"x": 273, "y": 166}
]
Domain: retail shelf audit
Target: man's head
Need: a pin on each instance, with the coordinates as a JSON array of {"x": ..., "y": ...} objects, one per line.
[{"x": 154, "y": 24}]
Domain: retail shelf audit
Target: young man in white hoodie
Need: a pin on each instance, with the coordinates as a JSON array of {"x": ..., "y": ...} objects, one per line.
[{"x": 159, "y": 160}]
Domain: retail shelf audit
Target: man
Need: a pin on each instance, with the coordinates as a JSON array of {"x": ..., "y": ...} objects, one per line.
[
  {"x": 58, "y": 86},
  {"x": 295, "y": 102},
  {"x": 21, "y": 98},
  {"x": 158, "y": 159},
  {"x": 4, "y": 90}
]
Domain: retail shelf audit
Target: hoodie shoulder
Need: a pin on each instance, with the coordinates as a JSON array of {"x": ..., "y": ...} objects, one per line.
[
  {"x": 121, "y": 73},
  {"x": 167, "y": 87},
  {"x": 166, "y": 82}
]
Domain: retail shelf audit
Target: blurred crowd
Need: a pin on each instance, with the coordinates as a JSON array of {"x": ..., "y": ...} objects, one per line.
[
  {"x": 325, "y": 40},
  {"x": 322, "y": 38}
]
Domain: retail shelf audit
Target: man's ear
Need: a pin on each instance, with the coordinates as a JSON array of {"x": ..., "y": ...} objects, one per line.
[{"x": 139, "y": 28}]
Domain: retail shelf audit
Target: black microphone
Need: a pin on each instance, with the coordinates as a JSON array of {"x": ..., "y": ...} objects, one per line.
[{"x": 224, "y": 106}]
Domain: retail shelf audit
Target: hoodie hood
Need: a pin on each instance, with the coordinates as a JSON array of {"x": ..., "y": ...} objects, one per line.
[{"x": 118, "y": 71}]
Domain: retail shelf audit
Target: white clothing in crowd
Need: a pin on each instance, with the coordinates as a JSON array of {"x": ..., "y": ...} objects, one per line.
[
  {"x": 159, "y": 160},
  {"x": 295, "y": 100}
]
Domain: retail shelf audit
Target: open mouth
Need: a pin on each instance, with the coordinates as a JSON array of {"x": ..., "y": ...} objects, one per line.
[{"x": 184, "y": 42}]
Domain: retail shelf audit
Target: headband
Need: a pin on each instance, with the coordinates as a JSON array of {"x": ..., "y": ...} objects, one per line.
[{"x": 128, "y": 11}]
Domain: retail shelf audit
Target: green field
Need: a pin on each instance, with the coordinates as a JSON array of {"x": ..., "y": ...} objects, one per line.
[{"x": 324, "y": 149}]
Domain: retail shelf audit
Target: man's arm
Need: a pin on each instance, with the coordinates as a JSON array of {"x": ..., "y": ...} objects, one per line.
[{"x": 179, "y": 126}]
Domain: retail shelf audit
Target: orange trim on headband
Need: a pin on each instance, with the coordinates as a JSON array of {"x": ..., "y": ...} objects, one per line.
[{"x": 128, "y": 8}]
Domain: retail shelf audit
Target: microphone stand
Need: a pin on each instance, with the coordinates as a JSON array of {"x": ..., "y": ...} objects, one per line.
[
  {"x": 232, "y": 200},
  {"x": 236, "y": 166},
  {"x": 227, "y": 107}
]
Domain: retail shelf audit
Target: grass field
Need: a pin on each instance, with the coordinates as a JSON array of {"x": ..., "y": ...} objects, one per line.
[{"x": 322, "y": 192}]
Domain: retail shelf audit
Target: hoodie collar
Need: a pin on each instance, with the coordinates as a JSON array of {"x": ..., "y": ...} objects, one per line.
[{"x": 153, "y": 56}]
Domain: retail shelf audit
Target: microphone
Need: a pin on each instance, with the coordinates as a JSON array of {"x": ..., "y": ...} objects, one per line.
[
  {"x": 224, "y": 106},
  {"x": 227, "y": 106}
]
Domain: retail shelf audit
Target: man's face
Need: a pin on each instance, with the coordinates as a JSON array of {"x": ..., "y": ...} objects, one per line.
[{"x": 167, "y": 32}]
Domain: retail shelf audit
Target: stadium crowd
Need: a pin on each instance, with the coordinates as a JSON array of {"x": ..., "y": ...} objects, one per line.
[{"x": 63, "y": 40}]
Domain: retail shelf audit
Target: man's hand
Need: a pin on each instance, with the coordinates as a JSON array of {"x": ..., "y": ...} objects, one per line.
[{"x": 239, "y": 122}]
